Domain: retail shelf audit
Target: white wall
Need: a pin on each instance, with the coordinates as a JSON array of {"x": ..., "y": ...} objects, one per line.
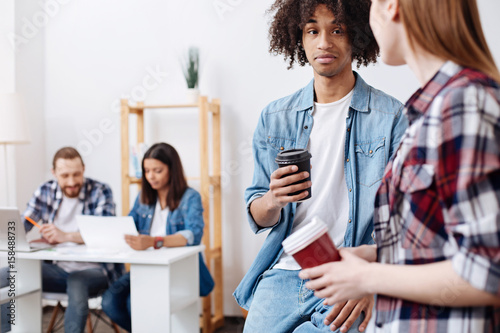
[
  {"x": 7, "y": 85},
  {"x": 29, "y": 77},
  {"x": 21, "y": 68},
  {"x": 95, "y": 52}
]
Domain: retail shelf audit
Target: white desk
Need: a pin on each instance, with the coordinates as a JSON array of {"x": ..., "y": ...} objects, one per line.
[{"x": 164, "y": 286}]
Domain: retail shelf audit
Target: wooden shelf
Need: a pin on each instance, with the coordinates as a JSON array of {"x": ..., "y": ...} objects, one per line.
[
  {"x": 136, "y": 108},
  {"x": 210, "y": 190}
]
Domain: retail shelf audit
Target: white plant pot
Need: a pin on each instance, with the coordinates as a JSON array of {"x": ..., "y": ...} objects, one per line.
[{"x": 192, "y": 95}]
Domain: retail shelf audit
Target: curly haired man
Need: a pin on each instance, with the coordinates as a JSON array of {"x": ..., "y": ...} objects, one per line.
[{"x": 351, "y": 131}]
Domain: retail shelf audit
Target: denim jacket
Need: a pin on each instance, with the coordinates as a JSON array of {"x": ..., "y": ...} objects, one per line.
[
  {"x": 374, "y": 126},
  {"x": 186, "y": 219}
]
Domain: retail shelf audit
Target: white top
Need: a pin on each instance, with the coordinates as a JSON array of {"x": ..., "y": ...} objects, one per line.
[
  {"x": 65, "y": 221},
  {"x": 159, "y": 224},
  {"x": 330, "y": 200}
]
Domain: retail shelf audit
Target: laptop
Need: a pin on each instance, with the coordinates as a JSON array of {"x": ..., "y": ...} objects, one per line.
[
  {"x": 12, "y": 230},
  {"x": 106, "y": 233}
]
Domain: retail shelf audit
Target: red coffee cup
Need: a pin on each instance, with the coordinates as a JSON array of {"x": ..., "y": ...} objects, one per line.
[{"x": 311, "y": 245}]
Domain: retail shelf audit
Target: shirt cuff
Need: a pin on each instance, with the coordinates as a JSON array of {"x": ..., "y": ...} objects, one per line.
[
  {"x": 253, "y": 225},
  {"x": 188, "y": 234},
  {"x": 477, "y": 270}
]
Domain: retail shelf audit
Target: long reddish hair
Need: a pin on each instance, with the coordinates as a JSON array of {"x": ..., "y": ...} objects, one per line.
[{"x": 449, "y": 29}]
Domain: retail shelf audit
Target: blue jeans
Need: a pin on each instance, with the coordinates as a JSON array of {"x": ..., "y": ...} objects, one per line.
[
  {"x": 116, "y": 302},
  {"x": 79, "y": 286},
  {"x": 282, "y": 303}
]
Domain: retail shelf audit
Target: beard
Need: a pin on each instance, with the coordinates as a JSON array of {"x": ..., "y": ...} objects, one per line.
[{"x": 73, "y": 191}]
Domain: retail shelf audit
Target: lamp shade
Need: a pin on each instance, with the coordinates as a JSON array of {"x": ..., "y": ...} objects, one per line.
[{"x": 13, "y": 125}]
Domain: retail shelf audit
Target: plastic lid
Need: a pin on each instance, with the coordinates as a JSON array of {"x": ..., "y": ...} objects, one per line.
[
  {"x": 301, "y": 238},
  {"x": 292, "y": 155}
]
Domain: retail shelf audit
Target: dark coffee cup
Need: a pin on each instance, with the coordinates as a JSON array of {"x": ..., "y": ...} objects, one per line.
[{"x": 302, "y": 159}]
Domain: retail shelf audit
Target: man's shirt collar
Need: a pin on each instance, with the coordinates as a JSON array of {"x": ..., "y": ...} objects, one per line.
[{"x": 359, "y": 102}]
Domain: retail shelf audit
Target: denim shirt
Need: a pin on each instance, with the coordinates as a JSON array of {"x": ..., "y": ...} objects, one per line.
[
  {"x": 186, "y": 219},
  {"x": 374, "y": 126}
]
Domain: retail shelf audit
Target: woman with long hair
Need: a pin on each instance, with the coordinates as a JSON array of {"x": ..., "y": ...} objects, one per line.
[
  {"x": 167, "y": 213},
  {"x": 436, "y": 263}
]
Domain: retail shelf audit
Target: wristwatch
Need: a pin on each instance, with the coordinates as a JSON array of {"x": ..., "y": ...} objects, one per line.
[{"x": 158, "y": 244}]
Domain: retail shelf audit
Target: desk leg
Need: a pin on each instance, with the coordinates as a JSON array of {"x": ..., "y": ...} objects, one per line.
[
  {"x": 150, "y": 298},
  {"x": 164, "y": 298},
  {"x": 28, "y": 300}
]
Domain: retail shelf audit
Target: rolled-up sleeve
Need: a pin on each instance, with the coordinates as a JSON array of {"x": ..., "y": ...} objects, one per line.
[
  {"x": 261, "y": 174},
  {"x": 470, "y": 183},
  {"x": 478, "y": 258},
  {"x": 193, "y": 217}
]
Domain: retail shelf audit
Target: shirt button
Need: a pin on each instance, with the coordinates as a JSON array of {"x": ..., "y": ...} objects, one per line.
[
  {"x": 281, "y": 148},
  {"x": 306, "y": 127},
  {"x": 371, "y": 152},
  {"x": 348, "y": 129},
  {"x": 350, "y": 190},
  {"x": 350, "y": 220},
  {"x": 347, "y": 160}
]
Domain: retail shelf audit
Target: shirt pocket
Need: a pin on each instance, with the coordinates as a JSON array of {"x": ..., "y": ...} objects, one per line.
[
  {"x": 370, "y": 161},
  {"x": 420, "y": 210},
  {"x": 416, "y": 178},
  {"x": 277, "y": 144}
]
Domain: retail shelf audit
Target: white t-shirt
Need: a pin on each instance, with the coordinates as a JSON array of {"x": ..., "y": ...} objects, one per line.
[
  {"x": 159, "y": 224},
  {"x": 330, "y": 200},
  {"x": 65, "y": 220}
]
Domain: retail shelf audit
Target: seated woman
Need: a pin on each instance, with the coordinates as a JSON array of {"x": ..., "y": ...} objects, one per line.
[{"x": 166, "y": 213}]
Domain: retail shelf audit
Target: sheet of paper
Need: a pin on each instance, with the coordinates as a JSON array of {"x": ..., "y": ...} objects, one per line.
[{"x": 106, "y": 233}]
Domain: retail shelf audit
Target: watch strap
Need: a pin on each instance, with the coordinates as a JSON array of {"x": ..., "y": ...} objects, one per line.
[{"x": 158, "y": 242}]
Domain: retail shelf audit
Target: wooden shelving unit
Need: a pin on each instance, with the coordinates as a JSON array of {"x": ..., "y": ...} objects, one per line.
[{"x": 209, "y": 112}]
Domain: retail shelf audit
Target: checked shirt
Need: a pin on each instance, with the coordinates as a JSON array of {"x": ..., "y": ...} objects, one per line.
[
  {"x": 440, "y": 200},
  {"x": 97, "y": 199}
]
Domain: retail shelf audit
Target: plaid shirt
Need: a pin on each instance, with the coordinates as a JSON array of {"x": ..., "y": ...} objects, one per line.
[
  {"x": 96, "y": 197},
  {"x": 440, "y": 200}
]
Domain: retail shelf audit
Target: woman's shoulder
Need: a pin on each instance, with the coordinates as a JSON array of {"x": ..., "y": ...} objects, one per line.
[
  {"x": 471, "y": 90},
  {"x": 190, "y": 199},
  {"x": 190, "y": 192}
]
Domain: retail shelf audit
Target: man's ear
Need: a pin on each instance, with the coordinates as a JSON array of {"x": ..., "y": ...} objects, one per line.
[{"x": 53, "y": 172}]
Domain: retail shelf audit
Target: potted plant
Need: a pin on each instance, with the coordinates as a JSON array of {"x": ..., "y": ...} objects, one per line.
[{"x": 191, "y": 67}]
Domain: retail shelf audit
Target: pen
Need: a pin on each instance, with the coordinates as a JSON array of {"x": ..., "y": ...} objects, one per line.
[{"x": 32, "y": 222}]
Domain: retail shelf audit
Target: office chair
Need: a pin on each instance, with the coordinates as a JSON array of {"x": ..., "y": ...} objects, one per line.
[{"x": 54, "y": 324}]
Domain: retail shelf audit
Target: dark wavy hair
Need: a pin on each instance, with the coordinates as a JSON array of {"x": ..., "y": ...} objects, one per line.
[
  {"x": 291, "y": 16},
  {"x": 177, "y": 183}
]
